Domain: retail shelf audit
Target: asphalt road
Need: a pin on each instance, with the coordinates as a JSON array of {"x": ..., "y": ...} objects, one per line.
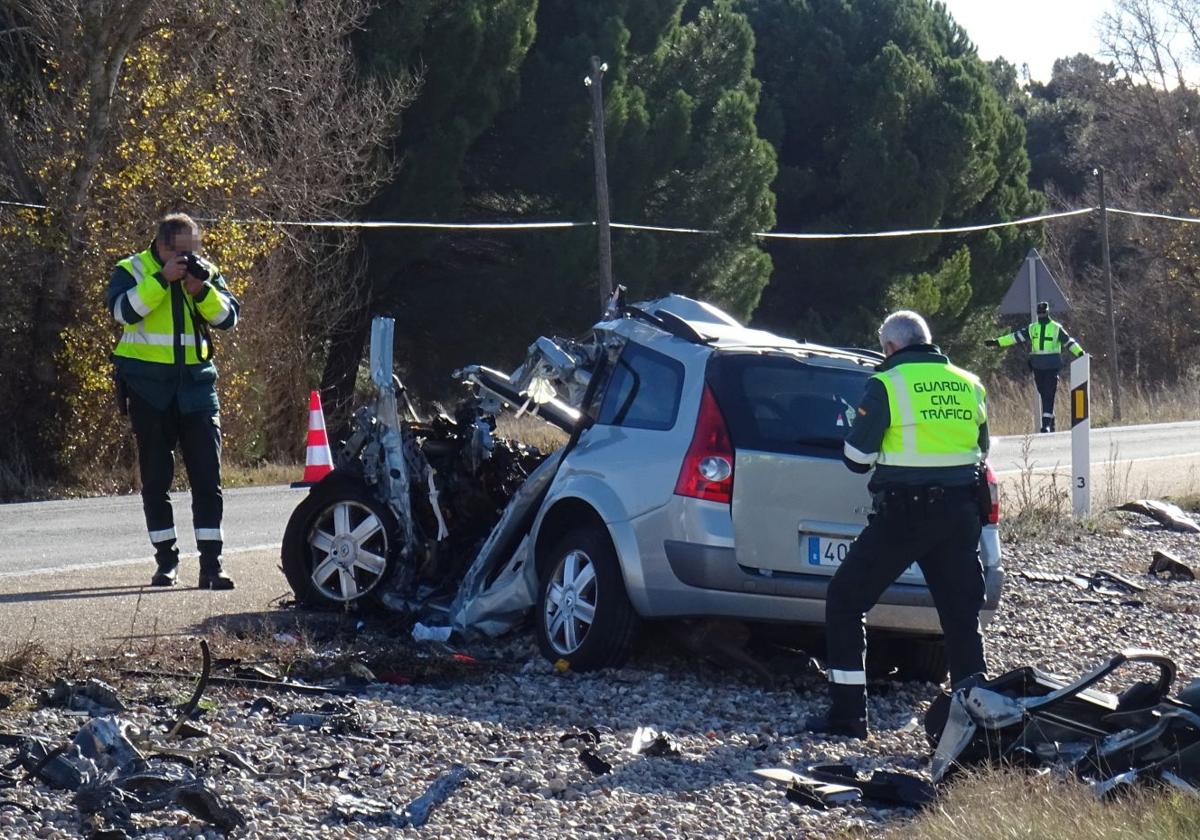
[{"x": 43, "y": 537}]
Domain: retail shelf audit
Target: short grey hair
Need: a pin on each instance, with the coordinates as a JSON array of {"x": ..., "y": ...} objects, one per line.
[{"x": 904, "y": 329}]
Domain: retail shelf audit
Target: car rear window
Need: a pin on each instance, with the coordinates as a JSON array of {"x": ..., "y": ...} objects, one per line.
[
  {"x": 643, "y": 391},
  {"x": 784, "y": 404}
]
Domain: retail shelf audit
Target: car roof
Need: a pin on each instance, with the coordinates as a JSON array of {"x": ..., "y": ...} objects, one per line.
[{"x": 721, "y": 331}]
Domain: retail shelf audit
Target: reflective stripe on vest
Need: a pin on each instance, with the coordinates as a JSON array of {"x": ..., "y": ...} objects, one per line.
[
  {"x": 152, "y": 339},
  {"x": 1045, "y": 339},
  {"x": 936, "y": 411}
]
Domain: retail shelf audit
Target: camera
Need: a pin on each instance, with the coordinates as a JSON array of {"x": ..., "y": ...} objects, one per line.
[{"x": 195, "y": 266}]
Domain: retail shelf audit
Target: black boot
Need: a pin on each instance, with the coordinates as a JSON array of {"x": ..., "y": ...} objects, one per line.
[
  {"x": 168, "y": 569},
  {"x": 212, "y": 576},
  {"x": 847, "y": 715}
]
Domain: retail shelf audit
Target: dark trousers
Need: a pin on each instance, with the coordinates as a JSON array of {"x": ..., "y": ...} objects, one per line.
[
  {"x": 198, "y": 436},
  {"x": 1047, "y": 386},
  {"x": 942, "y": 538}
]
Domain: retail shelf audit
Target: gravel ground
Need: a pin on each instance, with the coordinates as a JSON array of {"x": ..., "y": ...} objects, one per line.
[{"x": 505, "y": 724}]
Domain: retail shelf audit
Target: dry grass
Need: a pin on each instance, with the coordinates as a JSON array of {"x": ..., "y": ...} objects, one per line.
[
  {"x": 532, "y": 431},
  {"x": 1011, "y": 404},
  {"x": 260, "y": 475},
  {"x": 1012, "y": 806}
]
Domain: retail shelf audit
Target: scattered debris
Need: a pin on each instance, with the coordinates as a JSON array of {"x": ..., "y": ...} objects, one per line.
[
  {"x": 591, "y": 735},
  {"x": 352, "y": 808},
  {"x": 1166, "y": 514},
  {"x": 421, "y": 633},
  {"x": 650, "y": 742},
  {"x": 804, "y": 790},
  {"x": 1164, "y": 563},
  {"x": 335, "y": 718},
  {"x": 597, "y": 765},
  {"x": 5, "y": 700},
  {"x": 1034, "y": 719},
  {"x": 1101, "y": 582},
  {"x": 93, "y": 696},
  {"x": 205, "y": 805},
  {"x": 417, "y": 812},
  {"x": 832, "y": 785}
]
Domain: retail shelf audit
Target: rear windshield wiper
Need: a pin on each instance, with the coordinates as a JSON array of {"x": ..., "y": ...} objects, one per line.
[{"x": 825, "y": 442}]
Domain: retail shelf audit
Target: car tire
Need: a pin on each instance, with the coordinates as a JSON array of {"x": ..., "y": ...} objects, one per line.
[
  {"x": 580, "y": 580},
  {"x": 340, "y": 544},
  {"x": 907, "y": 660},
  {"x": 922, "y": 660}
]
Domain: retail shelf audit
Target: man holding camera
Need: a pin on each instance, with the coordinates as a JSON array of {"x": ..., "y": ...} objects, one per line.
[{"x": 167, "y": 297}]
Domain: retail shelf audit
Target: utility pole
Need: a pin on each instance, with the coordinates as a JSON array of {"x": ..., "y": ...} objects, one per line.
[
  {"x": 1114, "y": 365},
  {"x": 594, "y": 81}
]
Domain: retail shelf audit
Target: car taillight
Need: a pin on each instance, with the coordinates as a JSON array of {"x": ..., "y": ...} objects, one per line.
[
  {"x": 707, "y": 471},
  {"x": 994, "y": 489}
]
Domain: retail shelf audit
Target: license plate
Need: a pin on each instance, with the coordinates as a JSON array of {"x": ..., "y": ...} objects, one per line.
[{"x": 828, "y": 552}]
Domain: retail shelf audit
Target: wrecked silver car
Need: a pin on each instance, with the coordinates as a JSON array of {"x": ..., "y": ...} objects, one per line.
[{"x": 702, "y": 477}]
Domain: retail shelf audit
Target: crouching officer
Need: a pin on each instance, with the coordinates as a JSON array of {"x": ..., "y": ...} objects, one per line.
[
  {"x": 922, "y": 425},
  {"x": 1047, "y": 339},
  {"x": 166, "y": 298}
]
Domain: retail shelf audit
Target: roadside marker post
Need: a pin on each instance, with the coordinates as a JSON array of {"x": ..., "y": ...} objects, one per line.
[{"x": 1081, "y": 436}]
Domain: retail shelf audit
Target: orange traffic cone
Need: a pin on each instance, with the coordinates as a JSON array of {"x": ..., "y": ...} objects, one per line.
[{"x": 319, "y": 461}]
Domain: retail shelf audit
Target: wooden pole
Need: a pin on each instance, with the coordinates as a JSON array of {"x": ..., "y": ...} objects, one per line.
[
  {"x": 1114, "y": 365},
  {"x": 603, "y": 221}
]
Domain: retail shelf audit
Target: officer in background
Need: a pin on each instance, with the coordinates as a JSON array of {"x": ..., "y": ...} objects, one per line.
[
  {"x": 166, "y": 298},
  {"x": 1046, "y": 339},
  {"x": 922, "y": 425}
]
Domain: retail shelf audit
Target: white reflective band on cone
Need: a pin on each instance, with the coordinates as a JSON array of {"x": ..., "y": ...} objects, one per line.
[
  {"x": 209, "y": 534},
  {"x": 847, "y": 677},
  {"x": 319, "y": 456},
  {"x": 163, "y": 535},
  {"x": 316, "y": 420}
]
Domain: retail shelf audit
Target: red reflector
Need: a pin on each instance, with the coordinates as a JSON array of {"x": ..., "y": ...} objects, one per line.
[
  {"x": 709, "y": 457},
  {"x": 994, "y": 489}
]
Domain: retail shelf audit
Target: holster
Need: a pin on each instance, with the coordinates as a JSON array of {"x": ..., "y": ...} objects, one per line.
[{"x": 983, "y": 495}]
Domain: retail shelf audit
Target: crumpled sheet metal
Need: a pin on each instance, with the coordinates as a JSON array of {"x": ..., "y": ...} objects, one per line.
[
  {"x": 498, "y": 589},
  {"x": 1168, "y": 515},
  {"x": 1110, "y": 741}
]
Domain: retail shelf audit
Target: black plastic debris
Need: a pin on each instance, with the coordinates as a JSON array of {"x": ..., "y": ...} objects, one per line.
[
  {"x": 597, "y": 765},
  {"x": 648, "y": 741},
  {"x": 805, "y": 790},
  {"x": 1165, "y": 564},
  {"x": 1100, "y": 582},
  {"x": 5, "y": 700},
  {"x": 885, "y": 787},
  {"x": 1168, "y": 515},
  {"x": 206, "y": 805},
  {"x": 262, "y": 705},
  {"x": 335, "y": 718},
  {"x": 1033, "y": 719},
  {"x": 93, "y": 696},
  {"x": 591, "y": 735}
]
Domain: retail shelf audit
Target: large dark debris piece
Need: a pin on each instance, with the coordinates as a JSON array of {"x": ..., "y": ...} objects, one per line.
[
  {"x": 1165, "y": 564},
  {"x": 93, "y": 696},
  {"x": 832, "y": 785},
  {"x": 1168, "y": 515},
  {"x": 1029, "y": 718}
]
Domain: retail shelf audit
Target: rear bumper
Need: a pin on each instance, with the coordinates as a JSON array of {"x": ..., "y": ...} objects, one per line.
[{"x": 708, "y": 581}]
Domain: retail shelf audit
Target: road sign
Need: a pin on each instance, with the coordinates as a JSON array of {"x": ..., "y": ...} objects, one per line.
[
  {"x": 1021, "y": 294},
  {"x": 1081, "y": 431}
]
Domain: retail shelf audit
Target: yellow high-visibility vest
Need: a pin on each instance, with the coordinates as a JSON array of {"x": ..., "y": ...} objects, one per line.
[
  {"x": 936, "y": 411},
  {"x": 153, "y": 338}
]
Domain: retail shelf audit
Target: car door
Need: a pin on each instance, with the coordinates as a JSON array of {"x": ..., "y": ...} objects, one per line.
[{"x": 796, "y": 507}]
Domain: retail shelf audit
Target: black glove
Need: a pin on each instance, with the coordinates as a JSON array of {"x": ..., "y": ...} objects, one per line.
[{"x": 992, "y": 342}]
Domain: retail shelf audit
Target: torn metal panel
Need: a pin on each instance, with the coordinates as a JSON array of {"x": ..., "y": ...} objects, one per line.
[
  {"x": 1038, "y": 720},
  {"x": 1166, "y": 514},
  {"x": 501, "y": 585}
]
